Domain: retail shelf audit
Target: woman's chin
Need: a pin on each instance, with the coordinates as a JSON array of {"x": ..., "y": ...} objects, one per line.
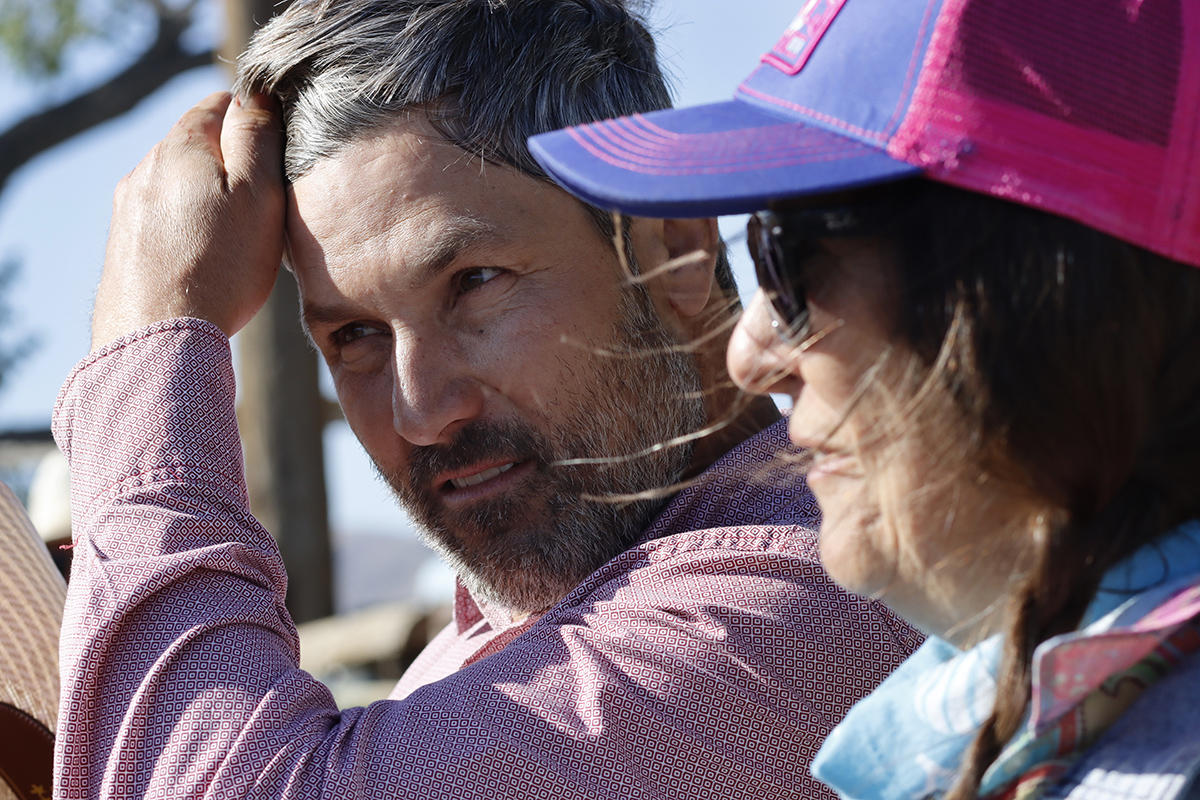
[{"x": 849, "y": 553}]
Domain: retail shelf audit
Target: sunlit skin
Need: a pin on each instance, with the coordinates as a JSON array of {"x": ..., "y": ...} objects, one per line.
[
  {"x": 939, "y": 558},
  {"x": 445, "y": 292}
]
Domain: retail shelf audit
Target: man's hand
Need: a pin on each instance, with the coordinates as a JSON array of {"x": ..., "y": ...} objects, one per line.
[{"x": 197, "y": 227}]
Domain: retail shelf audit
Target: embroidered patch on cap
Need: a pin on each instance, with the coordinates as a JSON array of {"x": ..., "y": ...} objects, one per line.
[{"x": 800, "y": 39}]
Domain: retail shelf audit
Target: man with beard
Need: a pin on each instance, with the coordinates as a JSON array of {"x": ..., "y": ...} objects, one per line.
[{"x": 640, "y": 614}]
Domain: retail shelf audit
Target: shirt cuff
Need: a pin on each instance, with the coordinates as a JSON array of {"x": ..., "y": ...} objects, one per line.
[{"x": 155, "y": 402}]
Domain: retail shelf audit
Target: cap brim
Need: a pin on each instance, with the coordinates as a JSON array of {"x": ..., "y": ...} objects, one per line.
[{"x": 723, "y": 158}]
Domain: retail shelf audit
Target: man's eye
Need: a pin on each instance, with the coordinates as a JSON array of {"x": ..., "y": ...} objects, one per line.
[
  {"x": 348, "y": 334},
  {"x": 469, "y": 280}
]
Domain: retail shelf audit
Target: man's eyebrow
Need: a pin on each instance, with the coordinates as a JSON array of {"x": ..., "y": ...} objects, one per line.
[
  {"x": 439, "y": 252},
  {"x": 325, "y": 314},
  {"x": 442, "y": 248}
]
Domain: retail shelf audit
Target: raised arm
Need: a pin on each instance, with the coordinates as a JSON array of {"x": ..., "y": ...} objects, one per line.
[{"x": 197, "y": 227}]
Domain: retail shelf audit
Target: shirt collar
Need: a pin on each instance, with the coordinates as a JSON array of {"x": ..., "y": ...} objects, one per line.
[
  {"x": 469, "y": 612},
  {"x": 906, "y": 739}
]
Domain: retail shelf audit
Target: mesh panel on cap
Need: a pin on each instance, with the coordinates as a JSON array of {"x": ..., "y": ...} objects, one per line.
[
  {"x": 1110, "y": 65},
  {"x": 1064, "y": 105}
]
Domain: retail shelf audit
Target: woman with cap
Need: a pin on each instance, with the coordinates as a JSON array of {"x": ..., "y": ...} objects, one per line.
[{"x": 980, "y": 284}]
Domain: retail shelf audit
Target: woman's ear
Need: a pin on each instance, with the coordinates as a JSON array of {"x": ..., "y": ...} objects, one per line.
[{"x": 689, "y": 274}]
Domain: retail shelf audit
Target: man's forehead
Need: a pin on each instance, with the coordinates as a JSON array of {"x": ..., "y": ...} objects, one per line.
[
  {"x": 407, "y": 170},
  {"x": 399, "y": 180},
  {"x": 406, "y": 200},
  {"x": 438, "y": 240}
]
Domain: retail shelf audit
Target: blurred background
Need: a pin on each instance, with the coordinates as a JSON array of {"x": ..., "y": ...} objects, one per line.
[{"x": 86, "y": 89}]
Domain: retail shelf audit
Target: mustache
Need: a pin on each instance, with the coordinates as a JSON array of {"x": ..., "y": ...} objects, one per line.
[{"x": 478, "y": 441}]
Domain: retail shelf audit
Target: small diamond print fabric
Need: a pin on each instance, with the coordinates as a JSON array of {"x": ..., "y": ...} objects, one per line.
[{"x": 708, "y": 661}]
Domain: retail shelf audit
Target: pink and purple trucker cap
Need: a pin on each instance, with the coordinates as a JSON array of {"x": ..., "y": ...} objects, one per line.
[{"x": 1089, "y": 109}]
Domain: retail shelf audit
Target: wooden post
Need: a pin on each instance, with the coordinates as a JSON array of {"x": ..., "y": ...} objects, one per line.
[{"x": 281, "y": 413}]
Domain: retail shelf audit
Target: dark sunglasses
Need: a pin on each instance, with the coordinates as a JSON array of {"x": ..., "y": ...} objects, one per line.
[{"x": 781, "y": 240}]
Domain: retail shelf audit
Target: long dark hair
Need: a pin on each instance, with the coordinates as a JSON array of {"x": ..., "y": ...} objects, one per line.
[{"x": 1072, "y": 360}]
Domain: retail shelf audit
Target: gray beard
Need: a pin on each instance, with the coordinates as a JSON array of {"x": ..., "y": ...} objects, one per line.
[{"x": 528, "y": 549}]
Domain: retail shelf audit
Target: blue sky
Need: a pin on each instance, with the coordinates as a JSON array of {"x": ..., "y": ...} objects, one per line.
[{"x": 54, "y": 212}]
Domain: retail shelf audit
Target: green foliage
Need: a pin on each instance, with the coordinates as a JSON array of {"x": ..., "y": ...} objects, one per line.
[{"x": 36, "y": 34}]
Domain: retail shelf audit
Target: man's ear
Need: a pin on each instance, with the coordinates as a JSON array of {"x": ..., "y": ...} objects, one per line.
[{"x": 688, "y": 276}]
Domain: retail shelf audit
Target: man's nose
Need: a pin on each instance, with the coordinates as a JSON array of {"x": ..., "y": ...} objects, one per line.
[
  {"x": 433, "y": 392},
  {"x": 759, "y": 360}
]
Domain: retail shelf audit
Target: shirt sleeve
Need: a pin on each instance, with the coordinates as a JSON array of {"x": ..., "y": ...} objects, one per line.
[
  {"x": 180, "y": 661},
  {"x": 180, "y": 672}
]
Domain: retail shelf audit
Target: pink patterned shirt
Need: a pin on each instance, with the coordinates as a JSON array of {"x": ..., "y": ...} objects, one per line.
[{"x": 709, "y": 661}]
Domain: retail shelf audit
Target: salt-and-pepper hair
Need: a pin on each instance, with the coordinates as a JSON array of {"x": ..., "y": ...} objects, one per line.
[{"x": 487, "y": 73}]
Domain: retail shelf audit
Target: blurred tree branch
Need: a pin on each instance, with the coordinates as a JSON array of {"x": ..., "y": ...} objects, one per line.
[{"x": 165, "y": 58}]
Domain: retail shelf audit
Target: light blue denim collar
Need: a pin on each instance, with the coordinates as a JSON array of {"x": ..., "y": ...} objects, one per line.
[{"x": 907, "y": 738}]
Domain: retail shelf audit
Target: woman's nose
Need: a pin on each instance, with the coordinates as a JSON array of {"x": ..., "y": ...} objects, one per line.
[{"x": 758, "y": 359}]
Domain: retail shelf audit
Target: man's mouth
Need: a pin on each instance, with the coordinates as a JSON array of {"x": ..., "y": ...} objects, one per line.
[
  {"x": 480, "y": 477},
  {"x": 481, "y": 481}
]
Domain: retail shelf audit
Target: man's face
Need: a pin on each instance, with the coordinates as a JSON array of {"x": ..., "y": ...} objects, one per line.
[{"x": 481, "y": 336}]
